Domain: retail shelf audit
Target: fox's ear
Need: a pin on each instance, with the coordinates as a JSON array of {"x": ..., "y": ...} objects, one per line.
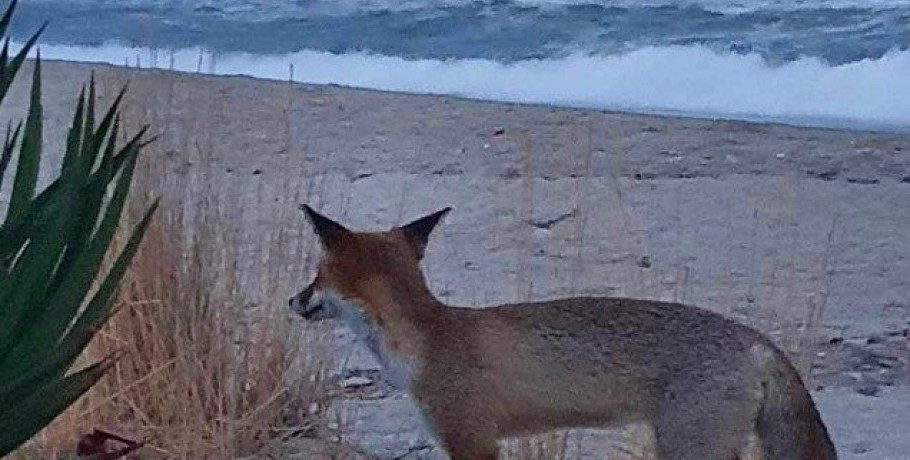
[
  {"x": 418, "y": 232},
  {"x": 329, "y": 231}
]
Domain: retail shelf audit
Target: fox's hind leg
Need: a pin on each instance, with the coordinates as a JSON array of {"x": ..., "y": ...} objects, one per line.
[
  {"x": 682, "y": 443},
  {"x": 705, "y": 426}
]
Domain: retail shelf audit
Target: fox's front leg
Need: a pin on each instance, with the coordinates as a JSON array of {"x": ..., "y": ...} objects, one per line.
[
  {"x": 467, "y": 439},
  {"x": 464, "y": 427}
]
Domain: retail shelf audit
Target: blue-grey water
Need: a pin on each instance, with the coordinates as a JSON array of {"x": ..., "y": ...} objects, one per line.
[{"x": 843, "y": 57}]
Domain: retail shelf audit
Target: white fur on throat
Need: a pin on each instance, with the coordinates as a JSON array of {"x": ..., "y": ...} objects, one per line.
[{"x": 399, "y": 371}]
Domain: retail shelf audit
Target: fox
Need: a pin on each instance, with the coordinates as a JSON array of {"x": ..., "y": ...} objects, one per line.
[{"x": 708, "y": 387}]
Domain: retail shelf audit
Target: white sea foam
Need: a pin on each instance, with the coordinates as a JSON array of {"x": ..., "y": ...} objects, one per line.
[{"x": 678, "y": 80}]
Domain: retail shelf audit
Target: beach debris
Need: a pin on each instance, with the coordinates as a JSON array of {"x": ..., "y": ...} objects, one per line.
[
  {"x": 869, "y": 390},
  {"x": 824, "y": 174},
  {"x": 546, "y": 223},
  {"x": 95, "y": 445},
  {"x": 644, "y": 262},
  {"x": 356, "y": 382},
  {"x": 363, "y": 174}
]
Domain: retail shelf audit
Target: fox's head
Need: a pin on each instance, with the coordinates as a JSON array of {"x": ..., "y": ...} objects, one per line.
[{"x": 362, "y": 268}]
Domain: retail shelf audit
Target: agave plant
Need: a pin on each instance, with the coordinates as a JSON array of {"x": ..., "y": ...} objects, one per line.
[{"x": 52, "y": 249}]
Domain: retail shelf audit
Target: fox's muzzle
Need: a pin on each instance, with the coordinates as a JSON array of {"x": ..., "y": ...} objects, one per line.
[{"x": 303, "y": 304}]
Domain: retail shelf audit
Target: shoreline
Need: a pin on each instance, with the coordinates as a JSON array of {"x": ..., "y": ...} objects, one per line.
[
  {"x": 597, "y": 83},
  {"x": 815, "y": 123}
]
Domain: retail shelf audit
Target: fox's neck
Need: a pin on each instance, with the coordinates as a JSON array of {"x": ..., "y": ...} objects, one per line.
[
  {"x": 393, "y": 321},
  {"x": 396, "y": 303}
]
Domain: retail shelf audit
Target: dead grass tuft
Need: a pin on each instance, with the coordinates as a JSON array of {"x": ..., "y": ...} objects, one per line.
[{"x": 200, "y": 374}]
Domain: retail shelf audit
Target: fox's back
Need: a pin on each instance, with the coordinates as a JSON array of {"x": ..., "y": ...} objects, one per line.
[
  {"x": 660, "y": 338},
  {"x": 619, "y": 330},
  {"x": 593, "y": 360}
]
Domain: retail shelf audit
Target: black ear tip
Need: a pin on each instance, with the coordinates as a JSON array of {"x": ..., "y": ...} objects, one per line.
[
  {"x": 430, "y": 220},
  {"x": 327, "y": 229},
  {"x": 309, "y": 211},
  {"x": 312, "y": 216},
  {"x": 442, "y": 212}
]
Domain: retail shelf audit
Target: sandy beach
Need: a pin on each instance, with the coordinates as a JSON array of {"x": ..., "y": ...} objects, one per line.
[{"x": 801, "y": 233}]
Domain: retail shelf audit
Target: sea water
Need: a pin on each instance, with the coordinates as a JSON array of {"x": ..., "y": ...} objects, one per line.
[{"x": 841, "y": 63}]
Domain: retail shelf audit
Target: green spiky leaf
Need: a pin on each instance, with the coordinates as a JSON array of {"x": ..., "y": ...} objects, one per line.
[
  {"x": 29, "y": 155},
  {"x": 21, "y": 421},
  {"x": 52, "y": 249},
  {"x": 11, "y": 68},
  {"x": 12, "y": 136}
]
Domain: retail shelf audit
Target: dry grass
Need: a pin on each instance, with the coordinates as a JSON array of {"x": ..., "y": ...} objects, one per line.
[{"x": 199, "y": 374}]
